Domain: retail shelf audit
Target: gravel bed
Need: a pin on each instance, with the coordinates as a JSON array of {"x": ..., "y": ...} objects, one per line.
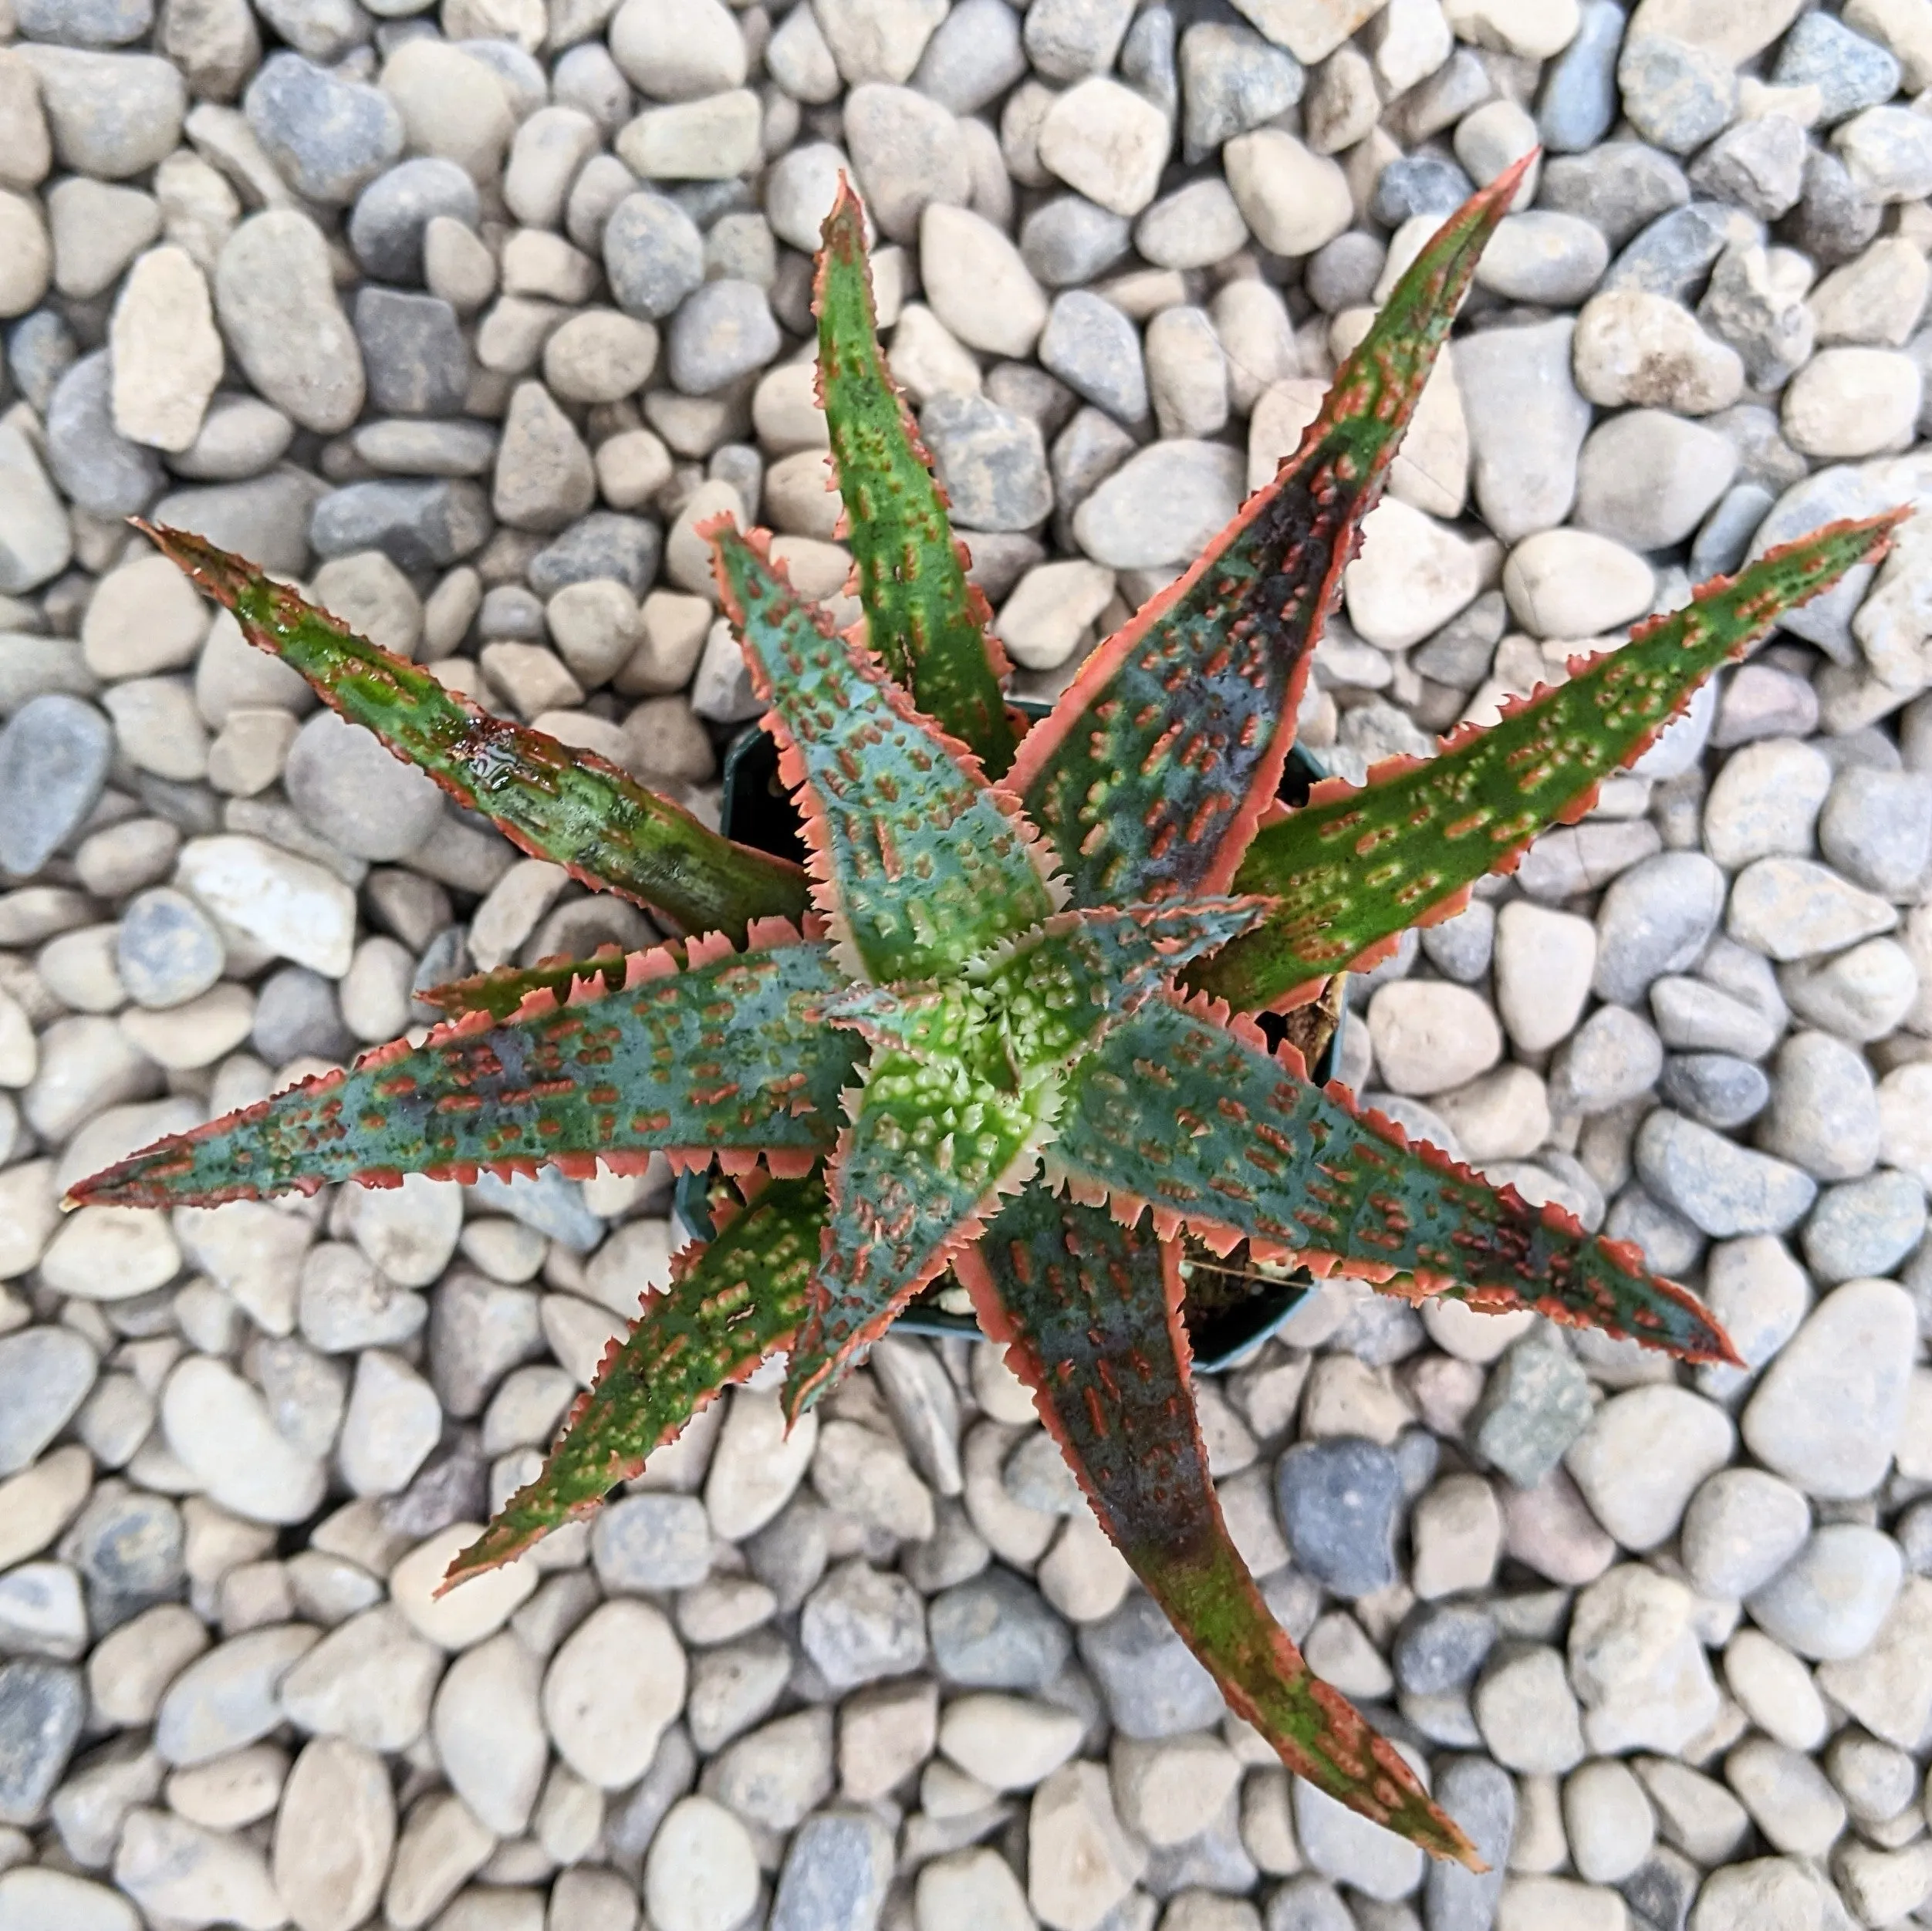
[{"x": 464, "y": 317}]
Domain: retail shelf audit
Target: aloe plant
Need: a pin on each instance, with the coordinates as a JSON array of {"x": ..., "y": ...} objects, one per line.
[{"x": 998, "y": 1027}]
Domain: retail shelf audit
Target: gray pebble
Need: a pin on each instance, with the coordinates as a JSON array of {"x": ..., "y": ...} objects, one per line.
[
  {"x": 1462, "y": 948},
  {"x": 1413, "y": 185},
  {"x": 1308, "y": 1903},
  {"x": 1887, "y": 152},
  {"x": 406, "y": 446},
  {"x": 166, "y": 949},
  {"x": 1715, "y": 1088},
  {"x": 1913, "y": 1530},
  {"x": 479, "y": 1330},
  {"x": 46, "y": 1373},
  {"x": 652, "y": 1541},
  {"x": 992, "y": 463},
  {"x": 324, "y": 30},
  {"x": 859, "y": 1624},
  {"x": 1231, "y": 80},
  {"x": 1338, "y": 1500},
  {"x": 544, "y": 476},
  {"x": 1095, "y": 351},
  {"x": 1662, "y": 1890},
  {"x": 112, "y": 115},
  {"x": 84, "y": 23},
  {"x": 1865, "y": 1227},
  {"x": 1526, "y": 423},
  {"x": 836, "y": 1869},
  {"x": 1578, "y": 104},
  {"x": 1824, "y": 1114},
  {"x": 1070, "y": 240},
  {"x": 1719, "y": 549},
  {"x": 653, "y": 254},
  {"x": 130, "y": 1550},
  {"x": 1147, "y": 61},
  {"x": 1481, "y": 1798},
  {"x": 1742, "y": 1526},
  {"x": 1834, "y": 217},
  {"x": 419, "y": 525},
  {"x": 330, "y": 136},
  {"x": 1152, "y": 1682},
  {"x": 240, "y": 436},
  {"x": 587, "y": 79},
  {"x": 1828, "y": 1601},
  {"x": 1849, "y": 71},
  {"x": 385, "y": 229},
  {"x": 1441, "y": 1646},
  {"x": 1162, "y": 505},
  {"x": 1877, "y": 828},
  {"x": 95, "y": 465},
  {"x": 996, "y": 1633},
  {"x": 1655, "y": 919},
  {"x": 724, "y": 330},
  {"x": 1670, "y": 1243},
  {"x": 1758, "y": 166},
  {"x": 1544, "y": 259},
  {"x": 1536, "y": 1402},
  {"x": 42, "y": 1706},
  {"x": 55, "y": 754},
  {"x": 41, "y": 349},
  {"x": 604, "y": 544},
  {"x": 1674, "y": 255},
  {"x": 552, "y": 1204},
  {"x": 296, "y": 1016},
  {"x": 1719, "y": 1187},
  {"x": 973, "y": 57},
  {"x": 413, "y": 353},
  {"x": 1675, "y": 94},
  {"x": 266, "y": 519},
  {"x": 1342, "y": 274},
  {"x": 1647, "y": 478},
  {"x": 1622, "y": 187}
]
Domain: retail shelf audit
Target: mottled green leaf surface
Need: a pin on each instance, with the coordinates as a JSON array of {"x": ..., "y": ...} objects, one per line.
[
  {"x": 727, "y": 1054},
  {"x": 1201, "y": 1121},
  {"x": 1151, "y": 773},
  {"x": 731, "y": 1302},
  {"x": 1091, "y": 1315},
  {"x": 1357, "y": 866},
  {"x": 927, "y": 623},
  {"x": 556, "y": 803},
  {"x": 919, "y": 866}
]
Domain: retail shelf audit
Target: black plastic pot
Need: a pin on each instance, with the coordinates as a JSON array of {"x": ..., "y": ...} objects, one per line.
[{"x": 1231, "y": 1309}]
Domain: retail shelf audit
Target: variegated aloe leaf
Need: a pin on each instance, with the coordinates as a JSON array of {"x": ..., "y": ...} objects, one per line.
[
  {"x": 1175, "y": 1109},
  {"x": 553, "y": 800},
  {"x": 1151, "y": 773},
  {"x": 1357, "y": 866},
  {"x": 927, "y": 623},
  {"x": 731, "y": 1302},
  {"x": 1091, "y": 1317},
  {"x": 727, "y": 1055},
  {"x": 960, "y": 1095},
  {"x": 918, "y": 865}
]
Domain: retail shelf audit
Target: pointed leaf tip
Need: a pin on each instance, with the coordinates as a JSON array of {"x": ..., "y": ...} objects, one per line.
[{"x": 554, "y": 801}]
